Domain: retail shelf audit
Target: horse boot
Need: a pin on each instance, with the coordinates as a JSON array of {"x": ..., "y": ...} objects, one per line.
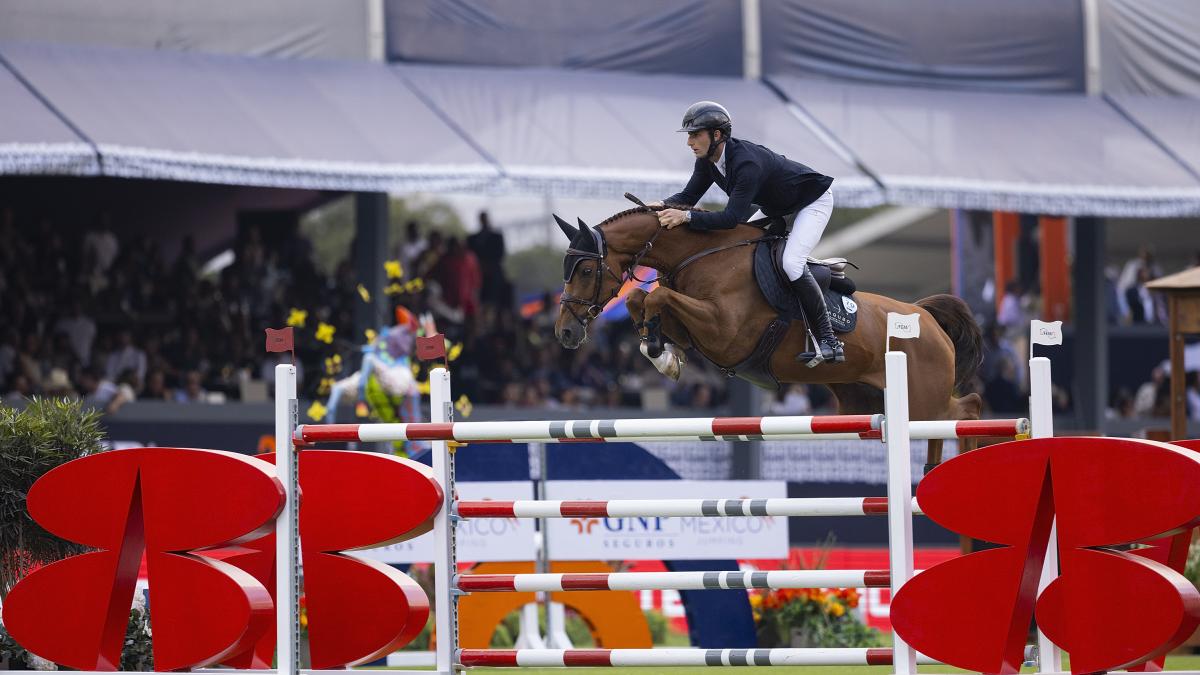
[{"x": 812, "y": 300}]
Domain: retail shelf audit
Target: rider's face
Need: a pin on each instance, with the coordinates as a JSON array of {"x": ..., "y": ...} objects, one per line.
[{"x": 699, "y": 141}]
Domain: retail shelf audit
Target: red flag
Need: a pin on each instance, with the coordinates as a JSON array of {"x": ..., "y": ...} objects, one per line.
[
  {"x": 432, "y": 347},
  {"x": 280, "y": 340}
]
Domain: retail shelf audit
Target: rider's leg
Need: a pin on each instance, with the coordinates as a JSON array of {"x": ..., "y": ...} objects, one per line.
[{"x": 806, "y": 232}]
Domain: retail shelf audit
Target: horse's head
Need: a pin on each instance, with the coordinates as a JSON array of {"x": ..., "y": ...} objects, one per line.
[{"x": 591, "y": 278}]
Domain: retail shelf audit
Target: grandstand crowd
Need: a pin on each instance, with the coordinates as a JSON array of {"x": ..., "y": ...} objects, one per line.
[{"x": 114, "y": 319}]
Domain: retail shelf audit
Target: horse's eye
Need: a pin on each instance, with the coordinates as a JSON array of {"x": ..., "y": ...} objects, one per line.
[{"x": 587, "y": 270}]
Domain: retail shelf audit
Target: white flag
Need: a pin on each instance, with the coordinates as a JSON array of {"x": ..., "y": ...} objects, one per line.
[
  {"x": 1045, "y": 332},
  {"x": 903, "y": 325}
]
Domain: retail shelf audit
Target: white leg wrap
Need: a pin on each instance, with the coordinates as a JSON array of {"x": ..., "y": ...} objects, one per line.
[{"x": 670, "y": 362}]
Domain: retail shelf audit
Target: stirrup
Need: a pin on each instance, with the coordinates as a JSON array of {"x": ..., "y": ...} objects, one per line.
[{"x": 817, "y": 357}]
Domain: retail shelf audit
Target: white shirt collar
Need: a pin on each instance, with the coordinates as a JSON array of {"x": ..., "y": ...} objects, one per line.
[{"x": 721, "y": 162}]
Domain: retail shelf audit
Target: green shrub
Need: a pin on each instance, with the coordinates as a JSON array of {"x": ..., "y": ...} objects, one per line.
[{"x": 46, "y": 434}]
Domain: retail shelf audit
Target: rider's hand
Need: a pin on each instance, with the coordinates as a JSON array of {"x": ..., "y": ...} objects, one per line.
[
  {"x": 654, "y": 204},
  {"x": 671, "y": 218}
]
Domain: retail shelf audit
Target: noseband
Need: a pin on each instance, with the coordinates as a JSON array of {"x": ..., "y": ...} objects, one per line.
[{"x": 594, "y": 307}]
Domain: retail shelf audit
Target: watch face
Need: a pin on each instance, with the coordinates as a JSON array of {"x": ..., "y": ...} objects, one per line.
[{"x": 850, "y": 305}]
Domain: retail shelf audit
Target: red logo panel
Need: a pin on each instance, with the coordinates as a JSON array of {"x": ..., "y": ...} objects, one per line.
[
  {"x": 167, "y": 503},
  {"x": 1108, "y": 609},
  {"x": 358, "y": 610}
]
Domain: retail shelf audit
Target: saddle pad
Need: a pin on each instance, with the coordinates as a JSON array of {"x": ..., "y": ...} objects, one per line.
[{"x": 843, "y": 310}]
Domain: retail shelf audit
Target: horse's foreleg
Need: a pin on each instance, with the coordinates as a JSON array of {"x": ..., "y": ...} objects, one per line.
[{"x": 635, "y": 304}]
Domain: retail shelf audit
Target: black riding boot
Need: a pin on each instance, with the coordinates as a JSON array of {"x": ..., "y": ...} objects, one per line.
[{"x": 812, "y": 300}]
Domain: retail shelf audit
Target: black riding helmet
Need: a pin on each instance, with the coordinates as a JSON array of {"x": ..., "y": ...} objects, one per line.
[{"x": 708, "y": 115}]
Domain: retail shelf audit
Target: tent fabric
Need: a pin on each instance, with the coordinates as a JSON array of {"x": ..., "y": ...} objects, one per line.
[
  {"x": 700, "y": 37},
  {"x": 328, "y": 29},
  {"x": 33, "y": 140},
  {"x": 1028, "y": 153},
  {"x": 1173, "y": 122},
  {"x": 597, "y": 134},
  {"x": 244, "y": 121},
  {"x": 1150, "y": 47},
  {"x": 984, "y": 45}
]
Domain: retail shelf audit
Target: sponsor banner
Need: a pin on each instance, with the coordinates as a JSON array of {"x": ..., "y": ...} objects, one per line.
[
  {"x": 480, "y": 540},
  {"x": 678, "y": 538}
]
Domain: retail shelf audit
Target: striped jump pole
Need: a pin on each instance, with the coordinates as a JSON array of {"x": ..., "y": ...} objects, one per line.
[
  {"x": 814, "y": 428},
  {"x": 670, "y": 508},
  {"x": 672, "y": 581},
  {"x": 548, "y": 431},
  {"x": 662, "y": 658}
]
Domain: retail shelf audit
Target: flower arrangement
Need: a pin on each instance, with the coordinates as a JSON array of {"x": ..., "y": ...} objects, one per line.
[{"x": 810, "y": 617}]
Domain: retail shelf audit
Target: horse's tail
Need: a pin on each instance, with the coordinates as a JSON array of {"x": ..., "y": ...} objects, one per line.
[{"x": 956, "y": 319}]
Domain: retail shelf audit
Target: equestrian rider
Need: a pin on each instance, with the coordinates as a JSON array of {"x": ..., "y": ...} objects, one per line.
[{"x": 753, "y": 175}]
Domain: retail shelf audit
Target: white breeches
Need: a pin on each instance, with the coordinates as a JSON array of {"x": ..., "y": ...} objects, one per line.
[{"x": 806, "y": 232}]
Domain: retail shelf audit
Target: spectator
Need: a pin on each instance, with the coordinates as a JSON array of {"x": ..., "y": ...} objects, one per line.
[
  {"x": 1143, "y": 307},
  {"x": 126, "y": 357},
  {"x": 488, "y": 246},
  {"x": 100, "y": 247},
  {"x": 193, "y": 389},
  {"x": 792, "y": 400},
  {"x": 1145, "y": 401},
  {"x": 98, "y": 390},
  {"x": 80, "y": 331},
  {"x": 411, "y": 248},
  {"x": 459, "y": 276},
  {"x": 21, "y": 388},
  {"x": 156, "y": 387},
  {"x": 1009, "y": 315},
  {"x": 58, "y": 385}
]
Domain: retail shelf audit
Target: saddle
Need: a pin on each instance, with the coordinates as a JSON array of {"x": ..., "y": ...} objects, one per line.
[{"x": 775, "y": 287}]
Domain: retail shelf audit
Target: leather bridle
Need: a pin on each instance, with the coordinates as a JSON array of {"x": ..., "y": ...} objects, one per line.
[{"x": 594, "y": 306}]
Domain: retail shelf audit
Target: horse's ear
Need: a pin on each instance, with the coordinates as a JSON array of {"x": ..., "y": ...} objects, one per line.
[
  {"x": 567, "y": 229},
  {"x": 582, "y": 225}
]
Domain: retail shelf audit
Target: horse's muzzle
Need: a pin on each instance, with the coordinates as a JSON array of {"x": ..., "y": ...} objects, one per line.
[{"x": 571, "y": 336}]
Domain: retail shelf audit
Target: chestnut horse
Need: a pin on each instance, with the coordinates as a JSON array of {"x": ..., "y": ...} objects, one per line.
[{"x": 714, "y": 305}]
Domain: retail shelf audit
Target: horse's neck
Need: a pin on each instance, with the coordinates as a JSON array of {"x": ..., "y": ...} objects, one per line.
[
  {"x": 671, "y": 247},
  {"x": 676, "y": 246}
]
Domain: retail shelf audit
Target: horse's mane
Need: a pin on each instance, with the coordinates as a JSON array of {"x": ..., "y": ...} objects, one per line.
[{"x": 646, "y": 209}]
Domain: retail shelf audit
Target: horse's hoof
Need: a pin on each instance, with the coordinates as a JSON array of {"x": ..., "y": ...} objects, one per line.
[
  {"x": 669, "y": 362},
  {"x": 652, "y": 348}
]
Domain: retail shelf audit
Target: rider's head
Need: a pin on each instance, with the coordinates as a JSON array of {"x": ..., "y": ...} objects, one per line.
[{"x": 707, "y": 125}]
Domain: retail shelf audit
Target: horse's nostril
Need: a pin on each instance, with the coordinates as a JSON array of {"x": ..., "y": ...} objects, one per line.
[{"x": 566, "y": 333}]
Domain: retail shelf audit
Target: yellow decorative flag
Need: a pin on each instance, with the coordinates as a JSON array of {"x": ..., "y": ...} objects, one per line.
[
  {"x": 364, "y": 293},
  {"x": 371, "y": 335},
  {"x": 316, "y": 411},
  {"x": 325, "y": 332},
  {"x": 333, "y": 364},
  {"x": 463, "y": 405},
  {"x": 326, "y": 385},
  {"x": 394, "y": 269},
  {"x": 414, "y": 285},
  {"x": 297, "y": 318},
  {"x": 393, "y": 289},
  {"x": 423, "y": 387}
]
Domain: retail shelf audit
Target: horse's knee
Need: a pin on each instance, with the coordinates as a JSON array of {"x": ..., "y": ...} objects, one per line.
[{"x": 969, "y": 407}]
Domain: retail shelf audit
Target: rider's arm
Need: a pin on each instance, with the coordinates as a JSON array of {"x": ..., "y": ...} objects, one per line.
[
  {"x": 696, "y": 186},
  {"x": 738, "y": 209}
]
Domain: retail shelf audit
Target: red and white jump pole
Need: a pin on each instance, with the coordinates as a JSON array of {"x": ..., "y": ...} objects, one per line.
[
  {"x": 810, "y": 428},
  {"x": 662, "y": 658},
  {"x": 671, "y": 508},
  {"x": 672, "y": 581}
]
